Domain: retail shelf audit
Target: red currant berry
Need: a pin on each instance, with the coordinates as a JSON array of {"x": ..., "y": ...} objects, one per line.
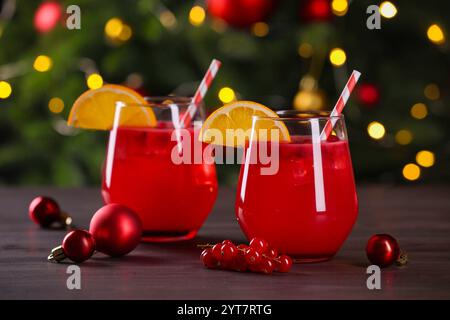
[
  {"x": 240, "y": 264},
  {"x": 259, "y": 244},
  {"x": 266, "y": 266},
  {"x": 252, "y": 257},
  {"x": 271, "y": 253},
  {"x": 217, "y": 251},
  {"x": 284, "y": 263},
  {"x": 229, "y": 252},
  {"x": 208, "y": 259},
  {"x": 227, "y": 242}
]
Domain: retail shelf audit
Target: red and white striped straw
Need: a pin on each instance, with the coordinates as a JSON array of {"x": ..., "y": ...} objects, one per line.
[
  {"x": 200, "y": 93},
  {"x": 340, "y": 104}
]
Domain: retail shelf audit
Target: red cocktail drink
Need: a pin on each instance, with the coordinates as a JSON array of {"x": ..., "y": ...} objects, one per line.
[
  {"x": 308, "y": 207},
  {"x": 173, "y": 200}
]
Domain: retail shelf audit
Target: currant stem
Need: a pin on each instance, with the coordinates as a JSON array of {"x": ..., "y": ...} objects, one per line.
[
  {"x": 208, "y": 245},
  {"x": 265, "y": 256}
]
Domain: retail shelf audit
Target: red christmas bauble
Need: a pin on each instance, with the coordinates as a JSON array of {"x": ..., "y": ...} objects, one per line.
[
  {"x": 382, "y": 250},
  {"x": 368, "y": 94},
  {"x": 78, "y": 245},
  {"x": 240, "y": 13},
  {"x": 47, "y": 16},
  {"x": 117, "y": 229},
  {"x": 315, "y": 10},
  {"x": 44, "y": 211}
]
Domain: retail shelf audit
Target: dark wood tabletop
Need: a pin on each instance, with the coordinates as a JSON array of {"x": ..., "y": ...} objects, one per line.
[{"x": 418, "y": 216}]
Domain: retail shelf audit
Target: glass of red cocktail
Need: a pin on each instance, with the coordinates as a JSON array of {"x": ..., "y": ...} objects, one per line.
[
  {"x": 154, "y": 170},
  {"x": 307, "y": 205}
]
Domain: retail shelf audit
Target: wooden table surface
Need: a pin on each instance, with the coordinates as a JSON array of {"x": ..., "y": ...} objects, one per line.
[{"x": 418, "y": 216}]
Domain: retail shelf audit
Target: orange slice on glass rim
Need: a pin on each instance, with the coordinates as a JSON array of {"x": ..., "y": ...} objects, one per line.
[
  {"x": 235, "y": 119},
  {"x": 95, "y": 109}
]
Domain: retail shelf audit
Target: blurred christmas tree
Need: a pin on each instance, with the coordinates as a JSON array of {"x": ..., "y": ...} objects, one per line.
[{"x": 280, "y": 53}]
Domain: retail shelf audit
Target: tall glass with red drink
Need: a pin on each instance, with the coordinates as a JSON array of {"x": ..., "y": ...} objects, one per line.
[
  {"x": 143, "y": 171},
  {"x": 307, "y": 206}
]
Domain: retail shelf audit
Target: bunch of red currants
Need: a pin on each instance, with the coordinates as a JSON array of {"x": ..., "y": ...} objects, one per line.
[{"x": 258, "y": 256}]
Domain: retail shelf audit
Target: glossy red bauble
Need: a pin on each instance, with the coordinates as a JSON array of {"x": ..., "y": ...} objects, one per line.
[
  {"x": 78, "y": 245},
  {"x": 44, "y": 211},
  {"x": 382, "y": 250},
  {"x": 240, "y": 13},
  {"x": 116, "y": 229}
]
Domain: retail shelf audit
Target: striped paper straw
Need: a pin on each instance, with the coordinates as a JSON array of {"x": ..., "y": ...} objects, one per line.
[
  {"x": 340, "y": 104},
  {"x": 200, "y": 93}
]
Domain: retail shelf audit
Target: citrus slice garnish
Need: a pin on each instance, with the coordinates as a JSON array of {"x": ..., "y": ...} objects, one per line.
[
  {"x": 231, "y": 125},
  {"x": 95, "y": 109}
]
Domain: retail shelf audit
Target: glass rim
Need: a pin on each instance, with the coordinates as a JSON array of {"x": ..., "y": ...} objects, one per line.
[
  {"x": 161, "y": 102},
  {"x": 293, "y": 115}
]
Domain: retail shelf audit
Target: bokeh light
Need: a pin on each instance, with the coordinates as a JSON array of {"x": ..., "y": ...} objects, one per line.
[
  {"x": 47, "y": 16},
  {"x": 419, "y": 111},
  {"x": 42, "y": 63},
  {"x": 168, "y": 19},
  {"x": 435, "y": 34},
  {"x": 376, "y": 130},
  {"x": 226, "y": 94},
  {"x": 94, "y": 81},
  {"x": 338, "y": 57},
  {"x": 126, "y": 33},
  {"x": 340, "y": 7},
  {"x": 425, "y": 158},
  {"x": 260, "y": 29},
  {"x": 411, "y": 172},
  {"x": 5, "y": 90},
  {"x": 403, "y": 137},
  {"x": 56, "y": 105},
  {"x": 197, "y": 16},
  {"x": 432, "y": 91},
  {"x": 219, "y": 26},
  {"x": 305, "y": 50},
  {"x": 113, "y": 27},
  {"x": 368, "y": 94},
  {"x": 388, "y": 9},
  {"x": 308, "y": 100},
  {"x": 117, "y": 30}
]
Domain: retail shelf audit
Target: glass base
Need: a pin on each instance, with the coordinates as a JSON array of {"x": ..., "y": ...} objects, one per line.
[
  {"x": 167, "y": 236},
  {"x": 310, "y": 259}
]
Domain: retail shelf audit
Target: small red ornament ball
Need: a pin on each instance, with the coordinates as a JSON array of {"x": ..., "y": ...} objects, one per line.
[
  {"x": 78, "y": 245},
  {"x": 240, "y": 13},
  {"x": 315, "y": 10},
  {"x": 382, "y": 250},
  {"x": 44, "y": 211},
  {"x": 116, "y": 229},
  {"x": 47, "y": 16},
  {"x": 368, "y": 94}
]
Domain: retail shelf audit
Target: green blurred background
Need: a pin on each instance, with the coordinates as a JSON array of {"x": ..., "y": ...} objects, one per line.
[{"x": 284, "y": 54}]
